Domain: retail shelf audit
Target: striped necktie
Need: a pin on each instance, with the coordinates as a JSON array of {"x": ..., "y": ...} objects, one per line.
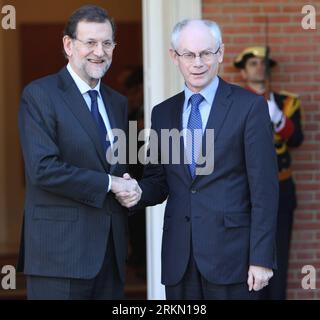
[
  {"x": 195, "y": 132},
  {"x": 98, "y": 119}
]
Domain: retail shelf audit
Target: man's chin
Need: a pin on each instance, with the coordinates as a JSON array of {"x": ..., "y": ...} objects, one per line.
[
  {"x": 199, "y": 85},
  {"x": 98, "y": 73}
]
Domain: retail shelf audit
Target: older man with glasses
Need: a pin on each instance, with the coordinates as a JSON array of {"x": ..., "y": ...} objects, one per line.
[{"x": 219, "y": 227}]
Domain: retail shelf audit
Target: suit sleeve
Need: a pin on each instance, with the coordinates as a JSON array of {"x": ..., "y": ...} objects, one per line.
[
  {"x": 261, "y": 165},
  {"x": 44, "y": 167},
  {"x": 153, "y": 184}
]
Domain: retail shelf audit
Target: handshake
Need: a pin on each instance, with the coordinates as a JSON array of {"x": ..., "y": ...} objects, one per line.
[{"x": 126, "y": 190}]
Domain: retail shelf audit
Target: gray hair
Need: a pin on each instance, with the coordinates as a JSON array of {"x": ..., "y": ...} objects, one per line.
[{"x": 213, "y": 26}]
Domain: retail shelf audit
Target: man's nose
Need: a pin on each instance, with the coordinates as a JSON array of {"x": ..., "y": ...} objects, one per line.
[
  {"x": 98, "y": 50},
  {"x": 197, "y": 62}
]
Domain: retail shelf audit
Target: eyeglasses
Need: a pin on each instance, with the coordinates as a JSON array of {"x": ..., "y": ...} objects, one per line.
[
  {"x": 92, "y": 44},
  {"x": 205, "y": 56}
]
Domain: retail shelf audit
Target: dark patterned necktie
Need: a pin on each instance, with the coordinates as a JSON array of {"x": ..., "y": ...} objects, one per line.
[
  {"x": 98, "y": 119},
  {"x": 195, "y": 132}
]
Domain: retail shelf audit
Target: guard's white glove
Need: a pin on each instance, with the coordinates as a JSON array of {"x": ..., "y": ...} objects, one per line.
[
  {"x": 276, "y": 115},
  {"x": 274, "y": 111}
]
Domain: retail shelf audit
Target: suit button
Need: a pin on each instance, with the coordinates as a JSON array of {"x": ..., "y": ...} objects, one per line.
[
  {"x": 193, "y": 191},
  {"x": 187, "y": 218}
]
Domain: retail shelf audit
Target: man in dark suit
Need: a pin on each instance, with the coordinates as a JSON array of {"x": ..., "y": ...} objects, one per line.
[
  {"x": 74, "y": 240},
  {"x": 219, "y": 227}
]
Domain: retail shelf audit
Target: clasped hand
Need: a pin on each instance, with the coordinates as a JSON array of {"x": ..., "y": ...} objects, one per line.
[{"x": 126, "y": 190}]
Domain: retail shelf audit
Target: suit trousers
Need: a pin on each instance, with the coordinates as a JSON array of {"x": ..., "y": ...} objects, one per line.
[
  {"x": 194, "y": 286},
  {"x": 106, "y": 285}
]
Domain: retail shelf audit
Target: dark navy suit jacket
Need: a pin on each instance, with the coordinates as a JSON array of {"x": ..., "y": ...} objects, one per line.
[
  {"x": 68, "y": 212},
  {"x": 230, "y": 213}
]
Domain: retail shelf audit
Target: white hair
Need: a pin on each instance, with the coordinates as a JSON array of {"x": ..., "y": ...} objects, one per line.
[{"x": 213, "y": 26}]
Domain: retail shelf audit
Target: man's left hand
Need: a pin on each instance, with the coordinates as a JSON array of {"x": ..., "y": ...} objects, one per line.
[{"x": 258, "y": 277}]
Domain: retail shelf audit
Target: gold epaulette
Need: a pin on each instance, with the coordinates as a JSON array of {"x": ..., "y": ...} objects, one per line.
[{"x": 291, "y": 105}]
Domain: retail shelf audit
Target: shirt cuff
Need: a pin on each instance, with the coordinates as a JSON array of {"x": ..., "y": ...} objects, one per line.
[{"x": 110, "y": 182}]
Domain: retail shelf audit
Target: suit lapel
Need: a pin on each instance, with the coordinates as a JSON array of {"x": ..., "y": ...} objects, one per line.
[
  {"x": 79, "y": 108},
  {"x": 219, "y": 108},
  {"x": 218, "y": 112},
  {"x": 112, "y": 112},
  {"x": 109, "y": 105},
  {"x": 176, "y": 116}
]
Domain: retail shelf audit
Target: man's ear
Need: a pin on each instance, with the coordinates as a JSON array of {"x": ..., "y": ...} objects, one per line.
[
  {"x": 221, "y": 53},
  {"x": 173, "y": 56},
  {"x": 67, "y": 45}
]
